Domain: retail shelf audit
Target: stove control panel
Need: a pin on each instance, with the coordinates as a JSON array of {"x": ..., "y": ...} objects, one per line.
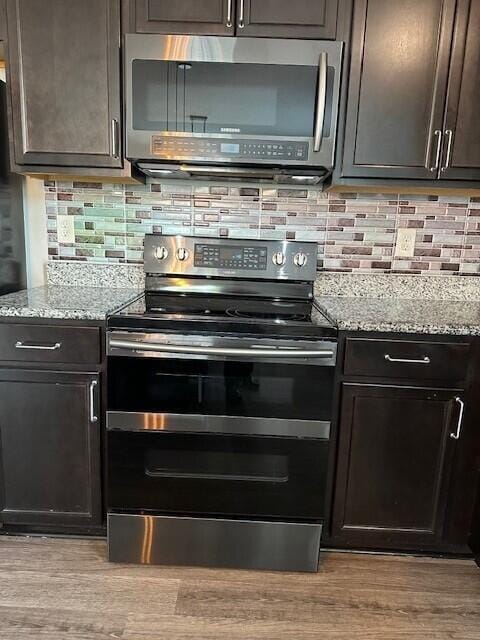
[
  {"x": 230, "y": 258},
  {"x": 224, "y": 256}
]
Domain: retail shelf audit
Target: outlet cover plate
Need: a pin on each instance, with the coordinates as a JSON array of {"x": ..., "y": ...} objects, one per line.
[
  {"x": 65, "y": 230},
  {"x": 405, "y": 246}
]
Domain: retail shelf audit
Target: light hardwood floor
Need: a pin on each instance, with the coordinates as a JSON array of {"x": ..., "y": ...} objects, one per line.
[{"x": 59, "y": 589}]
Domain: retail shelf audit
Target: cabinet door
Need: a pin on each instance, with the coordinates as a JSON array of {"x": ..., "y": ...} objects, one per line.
[
  {"x": 287, "y": 19},
  {"x": 400, "y": 54},
  {"x": 474, "y": 540},
  {"x": 49, "y": 449},
  {"x": 65, "y": 82},
  {"x": 3, "y": 22},
  {"x": 462, "y": 122},
  {"x": 394, "y": 461},
  {"x": 207, "y": 17}
]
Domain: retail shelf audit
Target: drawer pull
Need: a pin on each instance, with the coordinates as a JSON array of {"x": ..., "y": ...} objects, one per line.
[
  {"x": 456, "y": 435},
  {"x": 93, "y": 415},
  {"x": 424, "y": 360},
  {"x": 40, "y": 347}
]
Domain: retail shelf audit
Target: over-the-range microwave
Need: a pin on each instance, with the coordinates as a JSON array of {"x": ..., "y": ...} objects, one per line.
[{"x": 241, "y": 108}]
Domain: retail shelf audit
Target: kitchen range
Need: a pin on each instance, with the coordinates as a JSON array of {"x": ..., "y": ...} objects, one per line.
[{"x": 220, "y": 396}]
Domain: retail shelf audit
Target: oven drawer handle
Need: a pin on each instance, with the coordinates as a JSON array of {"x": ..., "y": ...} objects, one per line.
[
  {"x": 178, "y": 475},
  {"x": 221, "y": 351}
]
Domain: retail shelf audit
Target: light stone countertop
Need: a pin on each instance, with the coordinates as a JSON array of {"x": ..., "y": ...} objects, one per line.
[
  {"x": 402, "y": 315},
  {"x": 448, "y": 305},
  {"x": 65, "y": 302}
]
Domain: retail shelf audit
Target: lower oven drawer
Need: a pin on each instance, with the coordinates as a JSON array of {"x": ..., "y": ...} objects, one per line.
[
  {"x": 217, "y": 475},
  {"x": 210, "y": 542}
]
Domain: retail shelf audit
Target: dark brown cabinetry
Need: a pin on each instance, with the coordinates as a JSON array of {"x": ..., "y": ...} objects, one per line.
[
  {"x": 264, "y": 18},
  {"x": 3, "y": 20},
  {"x": 462, "y": 125},
  {"x": 49, "y": 448},
  {"x": 286, "y": 19},
  {"x": 397, "y": 87},
  {"x": 408, "y": 442},
  {"x": 474, "y": 538},
  {"x": 208, "y": 17},
  {"x": 64, "y": 74},
  {"x": 410, "y": 109},
  {"x": 394, "y": 463}
]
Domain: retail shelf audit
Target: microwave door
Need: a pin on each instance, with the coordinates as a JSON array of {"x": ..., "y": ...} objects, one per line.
[{"x": 228, "y": 100}]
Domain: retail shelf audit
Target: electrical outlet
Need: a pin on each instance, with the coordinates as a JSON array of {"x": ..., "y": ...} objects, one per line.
[
  {"x": 405, "y": 246},
  {"x": 65, "y": 230}
]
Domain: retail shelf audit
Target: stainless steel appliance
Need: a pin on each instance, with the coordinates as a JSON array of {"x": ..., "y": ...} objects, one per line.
[
  {"x": 220, "y": 384},
  {"x": 241, "y": 108}
]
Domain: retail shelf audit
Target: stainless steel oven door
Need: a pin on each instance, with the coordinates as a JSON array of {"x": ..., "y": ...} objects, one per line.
[
  {"x": 218, "y": 425},
  {"x": 232, "y": 100},
  {"x": 220, "y": 384}
]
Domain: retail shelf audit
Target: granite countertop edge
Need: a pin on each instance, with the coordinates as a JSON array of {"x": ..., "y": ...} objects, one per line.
[
  {"x": 401, "y": 315},
  {"x": 59, "y": 302}
]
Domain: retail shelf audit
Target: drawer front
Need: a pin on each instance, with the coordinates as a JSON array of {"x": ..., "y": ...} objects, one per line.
[
  {"x": 46, "y": 343},
  {"x": 406, "y": 359}
]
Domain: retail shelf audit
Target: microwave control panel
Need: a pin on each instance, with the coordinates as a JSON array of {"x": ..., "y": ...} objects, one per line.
[{"x": 202, "y": 148}]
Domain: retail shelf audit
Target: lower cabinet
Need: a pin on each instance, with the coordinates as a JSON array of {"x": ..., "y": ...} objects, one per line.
[
  {"x": 395, "y": 456},
  {"x": 49, "y": 449}
]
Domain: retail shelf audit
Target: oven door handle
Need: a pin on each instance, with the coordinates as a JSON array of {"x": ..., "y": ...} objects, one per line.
[{"x": 221, "y": 351}]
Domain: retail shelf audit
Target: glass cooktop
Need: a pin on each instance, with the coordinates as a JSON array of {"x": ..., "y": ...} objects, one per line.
[{"x": 222, "y": 313}]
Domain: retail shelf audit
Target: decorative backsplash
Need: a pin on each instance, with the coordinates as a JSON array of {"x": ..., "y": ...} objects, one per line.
[{"x": 355, "y": 232}]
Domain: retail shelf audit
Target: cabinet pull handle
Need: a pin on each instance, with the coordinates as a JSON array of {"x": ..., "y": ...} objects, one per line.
[
  {"x": 229, "y": 23},
  {"x": 115, "y": 144},
  {"x": 39, "y": 347},
  {"x": 456, "y": 435},
  {"x": 424, "y": 360},
  {"x": 93, "y": 416},
  {"x": 321, "y": 101},
  {"x": 439, "y": 135},
  {"x": 449, "y": 134},
  {"x": 241, "y": 15}
]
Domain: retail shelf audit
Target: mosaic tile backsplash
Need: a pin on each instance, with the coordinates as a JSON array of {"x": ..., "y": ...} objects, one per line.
[{"x": 355, "y": 232}]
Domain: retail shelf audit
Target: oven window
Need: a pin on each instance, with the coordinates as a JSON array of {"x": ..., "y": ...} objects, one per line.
[
  {"x": 217, "y": 475},
  {"x": 279, "y": 390},
  {"x": 215, "y": 98}
]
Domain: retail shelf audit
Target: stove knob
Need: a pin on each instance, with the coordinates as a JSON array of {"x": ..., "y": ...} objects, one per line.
[
  {"x": 278, "y": 259},
  {"x": 182, "y": 254},
  {"x": 300, "y": 260},
  {"x": 161, "y": 253}
]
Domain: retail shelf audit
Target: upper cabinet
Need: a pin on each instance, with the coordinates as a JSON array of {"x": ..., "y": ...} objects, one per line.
[
  {"x": 208, "y": 17},
  {"x": 397, "y": 88},
  {"x": 64, "y": 73},
  {"x": 462, "y": 123},
  {"x": 287, "y": 19},
  {"x": 3, "y": 21},
  {"x": 264, "y": 18},
  {"x": 411, "y": 110}
]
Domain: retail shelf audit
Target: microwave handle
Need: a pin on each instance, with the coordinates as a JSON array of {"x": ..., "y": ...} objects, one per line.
[{"x": 321, "y": 101}]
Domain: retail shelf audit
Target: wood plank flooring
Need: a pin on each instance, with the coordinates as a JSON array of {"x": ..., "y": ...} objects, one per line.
[{"x": 59, "y": 589}]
